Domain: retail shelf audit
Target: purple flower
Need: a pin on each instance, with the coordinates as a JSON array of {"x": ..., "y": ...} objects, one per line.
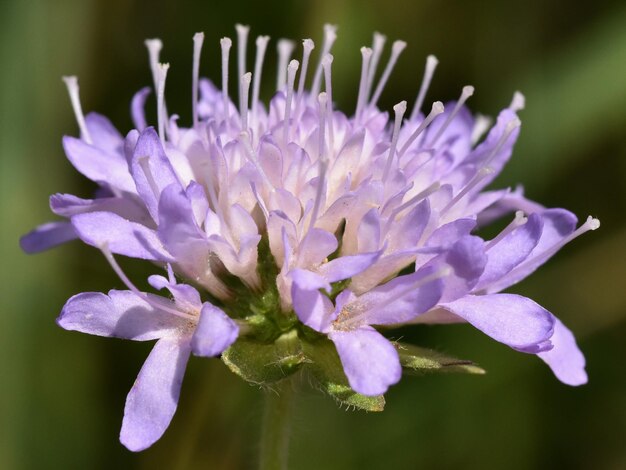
[
  {"x": 298, "y": 221},
  {"x": 180, "y": 326}
]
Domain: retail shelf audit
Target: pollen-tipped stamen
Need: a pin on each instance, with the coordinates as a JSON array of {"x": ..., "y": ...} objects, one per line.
[
  {"x": 198, "y": 40},
  {"x": 396, "y": 50},
  {"x": 429, "y": 71},
  {"x": 435, "y": 111},
  {"x": 399, "y": 111},
  {"x": 465, "y": 94},
  {"x": 261, "y": 47},
  {"x": 73, "y": 90},
  {"x": 292, "y": 69},
  {"x": 244, "y": 91},
  {"x": 161, "y": 113},
  {"x": 285, "y": 48},
  {"x": 225, "y": 44},
  {"x": 330, "y": 36},
  {"x": 366, "y": 54}
]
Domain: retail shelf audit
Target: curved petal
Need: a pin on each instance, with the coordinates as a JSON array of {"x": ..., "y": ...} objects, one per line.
[
  {"x": 104, "y": 134},
  {"x": 565, "y": 359},
  {"x": 511, "y": 319},
  {"x": 151, "y": 402},
  {"x": 122, "y": 236},
  {"x": 121, "y": 314},
  {"x": 345, "y": 267},
  {"x": 215, "y": 332},
  {"x": 47, "y": 236},
  {"x": 511, "y": 251},
  {"x": 369, "y": 360}
]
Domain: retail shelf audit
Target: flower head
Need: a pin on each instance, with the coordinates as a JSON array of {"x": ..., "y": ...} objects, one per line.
[{"x": 301, "y": 224}]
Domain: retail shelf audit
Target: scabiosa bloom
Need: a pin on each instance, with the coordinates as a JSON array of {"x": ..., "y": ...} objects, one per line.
[{"x": 299, "y": 231}]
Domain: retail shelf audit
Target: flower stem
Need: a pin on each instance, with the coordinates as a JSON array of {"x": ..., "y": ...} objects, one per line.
[{"x": 276, "y": 427}]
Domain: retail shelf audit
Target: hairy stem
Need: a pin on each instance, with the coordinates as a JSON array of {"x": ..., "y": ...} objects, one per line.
[{"x": 276, "y": 427}]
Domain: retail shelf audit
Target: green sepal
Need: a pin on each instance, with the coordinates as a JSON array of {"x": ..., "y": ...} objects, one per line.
[
  {"x": 326, "y": 367},
  {"x": 264, "y": 363},
  {"x": 416, "y": 360}
]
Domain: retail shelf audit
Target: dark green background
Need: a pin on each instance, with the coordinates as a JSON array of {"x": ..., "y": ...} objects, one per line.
[{"x": 62, "y": 394}]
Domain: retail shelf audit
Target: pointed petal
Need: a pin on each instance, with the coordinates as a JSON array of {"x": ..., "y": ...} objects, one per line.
[
  {"x": 47, "y": 236},
  {"x": 68, "y": 205},
  {"x": 511, "y": 251},
  {"x": 315, "y": 247},
  {"x": 178, "y": 229},
  {"x": 150, "y": 155},
  {"x": 565, "y": 359},
  {"x": 104, "y": 134},
  {"x": 369, "y": 360},
  {"x": 215, "y": 332},
  {"x": 122, "y": 236},
  {"x": 121, "y": 314},
  {"x": 510, "y": 319},
  {"x": 399, "y": 300},
  {"x": 137, "y": 108},
  {"x": 345, "y": 267},
  {"x": 152, "y": 401},
  {"x": 312, "y": 308}
]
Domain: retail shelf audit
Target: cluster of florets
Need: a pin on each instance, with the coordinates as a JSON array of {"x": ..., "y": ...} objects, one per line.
[{"x": 295, "y": 228}]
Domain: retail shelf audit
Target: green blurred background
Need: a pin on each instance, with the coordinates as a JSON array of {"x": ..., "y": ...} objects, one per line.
[{"x": 62, "y": 394}]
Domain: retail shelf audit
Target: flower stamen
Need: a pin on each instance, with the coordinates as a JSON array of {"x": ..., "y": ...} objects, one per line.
[{"x": 72, "y": 88}]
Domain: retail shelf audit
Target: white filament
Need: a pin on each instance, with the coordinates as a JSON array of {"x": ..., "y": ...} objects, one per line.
[
  {"x": 519, "y": 220},
  {"x": 244, "y": 91},
  {"x": 465, "y": 94},
  {"x": 261, "y": 47},
  {"x": 154, "y": 47},
  {"x": 225, "y": 44},
  {"x": 436, "y": 110},
  {"x": 396, "y": 50},
  {"x": 327, "y": 63},
  {"x": 378, "y": 44},
  {"x": 285, "y": 48},
  {"x": 330, "y": 36},
  {"x": 198, "y": 40},
  {"x": 481, "y": 125},
  {"x": 242, "y": 44},
  {"x": 399, "y": 111},
  {"x": 366, "y": 54},
  {"x": 480, "y": 175},
  {"x": 72, "y": 88},
  {"x": 518, "y": 102},
  {"x": 292, "y": 68},
  {"x": 307, "y": 46},
  {"x": 161, "y": 304},
  {"x": 429, "y": 71},
  {"x": 510, "y": 127},
  {"x": 161, "y": 113}
]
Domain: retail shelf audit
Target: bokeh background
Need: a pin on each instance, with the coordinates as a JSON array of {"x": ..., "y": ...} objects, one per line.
[{"x": 62, "y": 394}]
